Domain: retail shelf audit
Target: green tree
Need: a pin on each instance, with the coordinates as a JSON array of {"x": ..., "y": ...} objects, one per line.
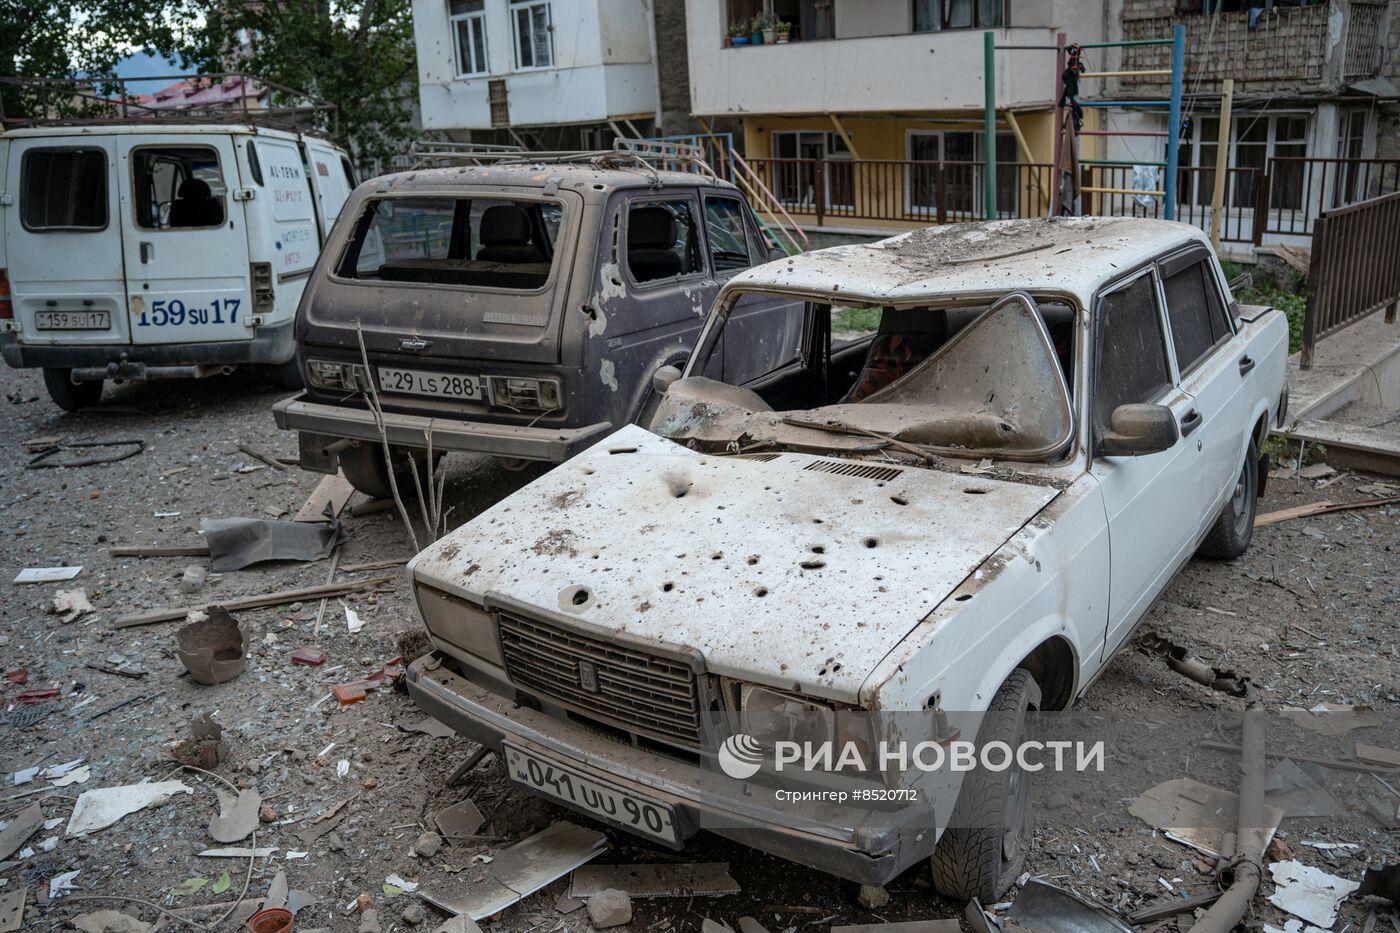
[
  {"x": 356, "y": 54},
  {"x": 62, "y": 38}
]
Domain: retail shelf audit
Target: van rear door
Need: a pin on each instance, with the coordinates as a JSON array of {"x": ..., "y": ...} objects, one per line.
[
  {"x": 184, "y": 240},
  {"x": 331, "y": 177},
  {"x": 63, "y": 241}
]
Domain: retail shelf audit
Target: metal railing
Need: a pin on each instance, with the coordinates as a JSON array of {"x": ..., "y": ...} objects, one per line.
[
  {"x": 900, "y": 190},
  {"x": 1352, "y": 272}
]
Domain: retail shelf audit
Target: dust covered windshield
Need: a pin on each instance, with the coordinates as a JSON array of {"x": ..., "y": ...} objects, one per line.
[
  {"x": 986, "y": 380},
  {"x": 466, "y": 242}
]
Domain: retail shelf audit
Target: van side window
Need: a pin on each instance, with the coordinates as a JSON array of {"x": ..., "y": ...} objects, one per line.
[
  {"x": 724, "y": 225},
  {"x": 661, "y": 241},
  {"x": 178, "y": 187},
  {"x": 1131, "y": 363},
  {"x": 64, "y": 189},
  {"x": 1196, "y": 313}
]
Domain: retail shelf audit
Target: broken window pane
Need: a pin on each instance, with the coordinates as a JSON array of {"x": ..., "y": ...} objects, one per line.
[
  {"x": 661, "y": 240},
  {"x": 177, "y": 187},
  {"x": 729, "y": 245}
]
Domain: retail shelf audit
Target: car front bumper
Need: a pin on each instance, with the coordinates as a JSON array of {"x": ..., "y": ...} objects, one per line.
[
  {"x": 859, "y": 844},
  {"x": 553, "y": 445}
]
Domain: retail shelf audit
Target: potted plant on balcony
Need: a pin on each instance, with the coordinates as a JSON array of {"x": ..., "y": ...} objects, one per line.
[
  {"x": 739, "y": 32},
  {"x": 769, "y": 29},
  {"x": 756, "y": 29},
  {"x": 784, "y": 29}
]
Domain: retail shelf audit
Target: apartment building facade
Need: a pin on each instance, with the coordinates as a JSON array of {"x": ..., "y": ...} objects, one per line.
[
  {"x": 545, "y": 74},
  {"x": 871, "y": 114}
]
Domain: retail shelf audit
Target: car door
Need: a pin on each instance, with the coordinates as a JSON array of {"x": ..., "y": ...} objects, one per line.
[
  {"x": 1214, "y": 369},
  {"x": 762, "y": 333},
  {"x": 63, "y": 241},
  {"x": 1151, "y": 502},
  {"x": 184, "y": 240},
  {"x": 331, "y": 176}
]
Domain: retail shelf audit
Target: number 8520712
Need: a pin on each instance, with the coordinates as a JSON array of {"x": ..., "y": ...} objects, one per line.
[{"x": 173, "y": 312}]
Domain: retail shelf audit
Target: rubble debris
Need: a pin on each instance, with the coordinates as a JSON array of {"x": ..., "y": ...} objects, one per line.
[
  {"x": 1196, "y": 814},
  {"x": 713, "y": 926},
  {"x": 70, "y": 605},
  {"x": 1375, "y": 754},
  {"x": 108, "y": 669},
  {"x": 1309, "y": 893},
  {"x": 309, "y": 657},
  {"x": 158, "y": 550},
  {"x": 430, "y": 726},
  {"x": 76, "y": 776},
  {"x": 237, "y": 852},
  {"x": 609, "y": 908},
  {"x": 254, "y": 602},
  {"x": 909, "y": 926},
  {"x": 1174, "y": 906},
  {"x": 327, "y": 820},
  {"x": 204, "y": 748},
  {"x": 427, "y": 845},
  {"x": 750, "y": 925},
  {"x": 463, "y": 819},
  {"x": 1188, "y": 665},
  {"x": 522, "y": 869},
  {"x": 326, "y": 500},
  {"x": 277, "y": 892},
  {"x": 37, "y": 695},
  {"x": 192, "y": 579},
  {"x": 704, "y": 879},
  {"x": 1335, "y": 764},
  {"x": 872, "y": 897},
  {"x": 1290, "y": 788},
  {"x": 1044, "y": 906},
  {"x": 47, "y": 574},
  {"x": 353, "y": 622},
  {"x": 271, "y": 920},
  {"x": 235, "y": 543},
  {"x": 61, "y": 885},
  {"x": 212, "y": 651},
  {"x": 121, "y": 450},
  {"x": 109, "y": 921},
  {"x": 25, "y": 824},
  {"x": 101, "y": 807},
  {"x": 19, "y": 676},
  {"x": 12, "y": 908},
  {"x": 346, "y": 694},
  {"x": 25, "y": 775},
  {"x": 257, "y": 454},
  {"x": 1321, "y": 508},
  {"x": 413, "y": 915},
  {"x": 394, "y": 885},
  {"x": 1381, "y": 882},
  {"x": 1332, "y": 718},
  {"x": 977, "y": 918},
  {"x": 238, "y": 816}
]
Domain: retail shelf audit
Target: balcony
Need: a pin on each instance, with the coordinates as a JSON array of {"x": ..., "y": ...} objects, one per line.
[{"x": 1288, "y": 46}]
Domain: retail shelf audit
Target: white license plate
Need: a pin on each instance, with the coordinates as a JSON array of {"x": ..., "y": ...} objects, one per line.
[
  {"x": 72, "y": 320},
  {"x": 607, "y": 802},
  {"x": 417, "y": 382}
]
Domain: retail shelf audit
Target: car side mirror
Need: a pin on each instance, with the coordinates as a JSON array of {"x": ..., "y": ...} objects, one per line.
[
  {"x": 1136, "y": 430},
  {"x": 661, "y": 379}
]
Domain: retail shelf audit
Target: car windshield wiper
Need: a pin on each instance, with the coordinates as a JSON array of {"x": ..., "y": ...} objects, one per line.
[{"x": 843, "y": 427}]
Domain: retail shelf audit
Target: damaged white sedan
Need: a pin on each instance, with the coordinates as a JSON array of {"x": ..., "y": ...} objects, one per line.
[{"x": 976, "y": 460}]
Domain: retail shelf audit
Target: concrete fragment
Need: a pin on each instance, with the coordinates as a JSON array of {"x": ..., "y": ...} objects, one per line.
[
  {"x": 427, "y": 845},
  {"x": 872, "y": 896},
  {"x": 414, "y": 914},
  {"x": 609, "y": 908},
  {"x": 192, "y": 580}
]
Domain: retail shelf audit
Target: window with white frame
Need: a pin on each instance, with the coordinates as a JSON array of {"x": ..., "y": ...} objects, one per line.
[
  {"x": 1255, "y": 139},
  {"x": 534, "y": 33},
  {"x": 467, "y": 21}
]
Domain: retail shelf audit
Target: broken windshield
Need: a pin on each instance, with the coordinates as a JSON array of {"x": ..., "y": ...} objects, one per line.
[{"x": 958, "y": 381}]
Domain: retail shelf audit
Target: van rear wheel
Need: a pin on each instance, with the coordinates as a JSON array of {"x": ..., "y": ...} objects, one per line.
[
  {"x": 364, "y": 468},
  {"x": 70, "y": 395}
]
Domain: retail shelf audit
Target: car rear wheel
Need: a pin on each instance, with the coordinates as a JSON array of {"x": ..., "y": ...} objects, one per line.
[
  {"x": 364, "y": 468},
  {"x": 1229, "y": 537},
  {"x": 70, "y": 395},
  {"x": 993, "y": 824}
]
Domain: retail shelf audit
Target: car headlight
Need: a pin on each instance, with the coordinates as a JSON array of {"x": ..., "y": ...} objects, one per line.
[
  {"x": 324, "y": 374},
  {"x": 772, "y": 717},
  {"x": 459, "y": 623},
  {"x": 518, "y": 392}
]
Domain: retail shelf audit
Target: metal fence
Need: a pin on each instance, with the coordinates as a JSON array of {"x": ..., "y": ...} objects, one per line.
[{"x": 1353, "y": 270}]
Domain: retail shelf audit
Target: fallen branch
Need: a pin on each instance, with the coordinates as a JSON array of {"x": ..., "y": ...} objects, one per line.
[
  {"x": 254, "y": 602},
  {"x": 256, "y": 454}
]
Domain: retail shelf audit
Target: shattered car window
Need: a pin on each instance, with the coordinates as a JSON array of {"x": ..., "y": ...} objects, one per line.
[
  {"x": 472, "y": 242},
  {"x": 987, "y": 380}
]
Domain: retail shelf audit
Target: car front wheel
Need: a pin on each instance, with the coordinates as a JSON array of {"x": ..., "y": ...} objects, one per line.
[
  {"x": 993, "y": 824},
  {"x": 1229, "y": 537}
]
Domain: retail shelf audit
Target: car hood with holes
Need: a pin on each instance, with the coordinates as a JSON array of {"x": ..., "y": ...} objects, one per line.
[{"x": 791, "y": 570}]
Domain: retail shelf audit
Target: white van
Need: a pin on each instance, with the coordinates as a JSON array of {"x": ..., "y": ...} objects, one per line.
[{"x": 138, "y": 250}]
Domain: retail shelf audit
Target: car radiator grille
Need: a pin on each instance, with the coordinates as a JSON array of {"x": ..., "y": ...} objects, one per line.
[{"x": 625, "y": 687}]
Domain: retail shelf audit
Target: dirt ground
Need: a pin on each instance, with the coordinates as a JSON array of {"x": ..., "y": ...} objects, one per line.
[{"x": 1309, "y": 614}]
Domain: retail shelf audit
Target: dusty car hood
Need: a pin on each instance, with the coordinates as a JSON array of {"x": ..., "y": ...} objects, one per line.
[{"x": 718, "y": 553}]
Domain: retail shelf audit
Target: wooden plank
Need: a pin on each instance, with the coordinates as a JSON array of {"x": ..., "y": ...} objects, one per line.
[
  {"x": 254, "y": 602},
  {"x": 156, "y": 550},
  {"x": 333, "y": 491},
  {"x": 262, "y": 455},
  {"x": 1322, "y": 508}
]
